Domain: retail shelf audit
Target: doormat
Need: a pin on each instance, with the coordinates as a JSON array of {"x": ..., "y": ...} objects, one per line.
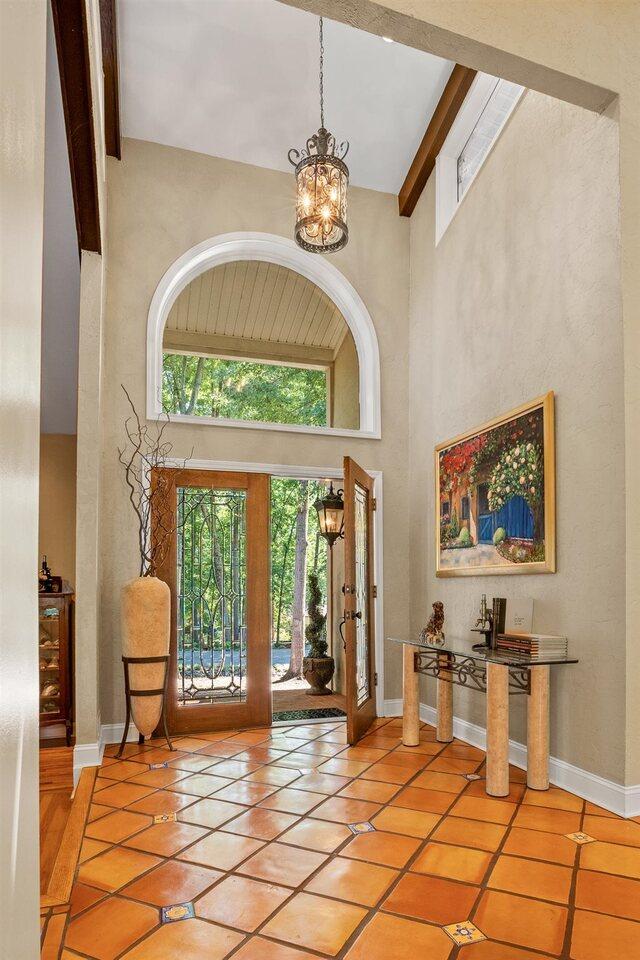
[{"x": 328, "y": 713}]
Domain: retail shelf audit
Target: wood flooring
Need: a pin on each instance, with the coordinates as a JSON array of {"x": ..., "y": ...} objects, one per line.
[
  {"x": 56, "y": 787},
  {"x": 63, "y": 815}
]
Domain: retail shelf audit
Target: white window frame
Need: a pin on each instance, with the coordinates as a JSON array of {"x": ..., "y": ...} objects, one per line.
[
  {"x": 447, "y": 202},
  {"x": 265, "y": 361},
  {"x": 274, "y": 249}
]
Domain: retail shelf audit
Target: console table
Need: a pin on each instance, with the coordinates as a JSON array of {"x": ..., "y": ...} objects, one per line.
[{"x": 498, "y": 675}]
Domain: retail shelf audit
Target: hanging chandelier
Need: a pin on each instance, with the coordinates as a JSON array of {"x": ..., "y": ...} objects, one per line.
[{"x": 322, "y": 180}]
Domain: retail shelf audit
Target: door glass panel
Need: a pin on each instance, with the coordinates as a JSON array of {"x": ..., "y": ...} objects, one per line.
[
  {"x": 362, "y": 595},
  {"x": 211, "y": 577}
]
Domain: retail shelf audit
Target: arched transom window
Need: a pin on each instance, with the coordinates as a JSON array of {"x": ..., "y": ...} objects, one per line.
[{"x": 248, "y": 330}]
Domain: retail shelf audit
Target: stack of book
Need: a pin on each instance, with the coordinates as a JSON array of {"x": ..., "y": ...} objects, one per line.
[{"x": 536, "y": 646}]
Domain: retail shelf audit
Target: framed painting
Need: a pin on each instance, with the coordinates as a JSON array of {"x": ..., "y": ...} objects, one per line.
[{"x": 495, "y": 496}]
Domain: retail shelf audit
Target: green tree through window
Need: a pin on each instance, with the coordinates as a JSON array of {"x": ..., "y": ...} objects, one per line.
[
  {"x": 244, "y": 390},
  {"x": 297, "y": 550}
]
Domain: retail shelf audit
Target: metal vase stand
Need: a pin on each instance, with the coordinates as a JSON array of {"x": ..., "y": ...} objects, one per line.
[{"x": 129, "y": 693}]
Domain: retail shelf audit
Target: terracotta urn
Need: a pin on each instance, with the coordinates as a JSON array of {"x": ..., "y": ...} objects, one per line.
[
  {"x": 318, "y": 672},
  {"x": 145, "y": 611}
]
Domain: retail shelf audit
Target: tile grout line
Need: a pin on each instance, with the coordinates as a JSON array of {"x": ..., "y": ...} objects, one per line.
[
  {"x": 441, "y": 816},
  {"x": 571, "y": 908},
  {"x": 432, "y": 757},
  {"x": 226, "y": 874}
]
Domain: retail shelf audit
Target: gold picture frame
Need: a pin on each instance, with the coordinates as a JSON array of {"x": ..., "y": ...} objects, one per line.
[{"x": 495, "y": 495}]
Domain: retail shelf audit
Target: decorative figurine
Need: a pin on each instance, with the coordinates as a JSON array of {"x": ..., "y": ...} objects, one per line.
[
  {"x": 490, "y": 622},
  {"x": 44, "y": 576},
  {"x": 47, "y": 583},
  {"x": 484, "y": 625},
  {"x": 433, "y": 632},
  {"x": 484, "y": 620}
]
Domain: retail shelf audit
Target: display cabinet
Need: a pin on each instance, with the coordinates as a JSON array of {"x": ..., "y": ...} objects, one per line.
[{"x": 55, "y": 630}]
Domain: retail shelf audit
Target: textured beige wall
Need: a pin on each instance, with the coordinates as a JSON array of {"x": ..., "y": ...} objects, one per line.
[
  {"x": 535, "y": 306},
  {"x": 161, "y": 202},
  {"x": 88, "y": 547},
  {"x": 89, "y": 439},
  {"x": 346, "y": 386},
  {"x": 57, "y": 526},
  {"x": 582, "y": 51},
  {"x": 22, "y": 110}
]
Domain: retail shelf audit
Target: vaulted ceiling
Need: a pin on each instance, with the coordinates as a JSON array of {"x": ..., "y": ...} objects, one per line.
[
  {"x": 239, "y": 79},
  {"x": 258, "y": 301}
]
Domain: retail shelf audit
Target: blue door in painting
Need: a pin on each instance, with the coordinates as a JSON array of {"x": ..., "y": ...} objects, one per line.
[{"x": 515, "y": 517}]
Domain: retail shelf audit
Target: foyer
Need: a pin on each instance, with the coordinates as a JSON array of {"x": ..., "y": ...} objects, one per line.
[{"x": 319, "y": 520}]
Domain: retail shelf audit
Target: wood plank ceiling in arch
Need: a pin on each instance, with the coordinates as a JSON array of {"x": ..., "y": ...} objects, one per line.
[{"x": 258, "y": 301}]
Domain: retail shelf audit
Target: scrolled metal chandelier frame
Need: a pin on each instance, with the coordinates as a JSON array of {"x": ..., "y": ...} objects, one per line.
[{"x": 322, "y": 182}]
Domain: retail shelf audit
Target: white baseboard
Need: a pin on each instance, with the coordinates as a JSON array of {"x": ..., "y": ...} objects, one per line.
[
  {"x": 90, "y": 754},
  {"x": 86, "y": 755},
  {"x": 55, "y": 732},
  {"x": 625, "y": 801},
  {"x": 393, "y": 708},
  {"x": 112, "y": 733}
]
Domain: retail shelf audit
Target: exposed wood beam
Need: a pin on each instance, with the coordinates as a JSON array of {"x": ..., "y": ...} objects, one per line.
[
  {"x": 72, "y": 43},
  {"x": 108, "y": 28},
  {"x": 420, "y": 32},
  {"x": 443, "y": 116}
]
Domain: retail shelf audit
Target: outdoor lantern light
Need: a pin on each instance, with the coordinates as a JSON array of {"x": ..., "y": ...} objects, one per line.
[
  {"x": 322, "y": 180},
  {"x": 330, "y": 510}
]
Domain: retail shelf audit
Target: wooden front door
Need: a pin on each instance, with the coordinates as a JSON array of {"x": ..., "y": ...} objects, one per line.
[
  {"x": 217, "y": 567},
  {"x": 359, "y": 627}
]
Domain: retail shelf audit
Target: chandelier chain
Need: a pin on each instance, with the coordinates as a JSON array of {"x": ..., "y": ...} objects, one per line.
[{"x": 321, "y": 75}]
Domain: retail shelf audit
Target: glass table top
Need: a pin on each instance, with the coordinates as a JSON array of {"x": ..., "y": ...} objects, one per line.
[{"x": 463, "y": 647}]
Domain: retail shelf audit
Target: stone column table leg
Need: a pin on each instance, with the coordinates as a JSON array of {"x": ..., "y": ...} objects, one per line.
[
  {"x": 444, "y": 732},
  {"x": 497, "y": 730},
  {"x": 538, "y": 729},
  {"x": 411, "y": 699}
]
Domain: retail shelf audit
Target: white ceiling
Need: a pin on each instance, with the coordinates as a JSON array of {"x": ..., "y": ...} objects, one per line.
[
  {"x": 255, "y": 300},
  {"x": 239, "y": 79}
]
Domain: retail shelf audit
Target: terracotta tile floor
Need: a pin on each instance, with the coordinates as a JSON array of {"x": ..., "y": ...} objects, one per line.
[{"x": 273, "y": 852}]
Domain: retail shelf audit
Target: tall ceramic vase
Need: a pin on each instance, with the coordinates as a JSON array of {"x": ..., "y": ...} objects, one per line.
[{"x": 145, "y": 610}]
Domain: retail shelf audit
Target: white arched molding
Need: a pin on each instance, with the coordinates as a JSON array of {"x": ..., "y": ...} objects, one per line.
[{"x": 230, "y": 247}]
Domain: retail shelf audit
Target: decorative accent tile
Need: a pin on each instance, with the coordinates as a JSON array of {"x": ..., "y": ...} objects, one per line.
[
  {"x": 363, "y": 827},
  {"x": 177, "y": 911},
  {"x": 580, "y": 838},
  {"x": 345, "y": 839},
  {"x": 165, "y": 818},
  {"x": 464, "y": 933}
]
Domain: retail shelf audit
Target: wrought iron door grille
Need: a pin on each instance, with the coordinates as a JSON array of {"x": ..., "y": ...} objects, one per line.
[{"x": 211, "y": 576}]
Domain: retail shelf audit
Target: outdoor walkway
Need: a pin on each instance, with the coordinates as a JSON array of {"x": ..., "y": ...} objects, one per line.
[
  {"x": 286, "y": 845},
  {"x": 482, "y": 553}
]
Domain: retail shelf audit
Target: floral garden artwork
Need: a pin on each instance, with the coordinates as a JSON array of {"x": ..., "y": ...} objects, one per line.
[{"x": 495, "y": 496}]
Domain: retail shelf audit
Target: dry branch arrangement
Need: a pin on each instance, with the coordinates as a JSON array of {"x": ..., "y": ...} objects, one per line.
[{"x": 145, "y": 457}]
